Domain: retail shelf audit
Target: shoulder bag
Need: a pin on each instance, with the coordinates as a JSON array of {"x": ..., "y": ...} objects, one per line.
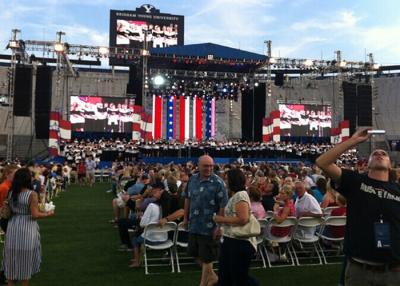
[{"x": 250, "y": 229}]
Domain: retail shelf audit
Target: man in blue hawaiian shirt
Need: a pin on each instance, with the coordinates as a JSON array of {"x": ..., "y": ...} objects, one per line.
[{"x": 205, "y": 196}]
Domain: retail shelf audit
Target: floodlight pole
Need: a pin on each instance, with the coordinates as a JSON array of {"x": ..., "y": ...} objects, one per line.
[
  {"x": 11, "y": 92},
  {"x": 337, "y": 102},
  {"x": 145, "y": 55},
  {"x": 268, "y": 86}
]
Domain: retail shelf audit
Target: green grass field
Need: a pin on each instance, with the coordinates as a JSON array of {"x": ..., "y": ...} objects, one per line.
[{"x": 79, "y": 248}]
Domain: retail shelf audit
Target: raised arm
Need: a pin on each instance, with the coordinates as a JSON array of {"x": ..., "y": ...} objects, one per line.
[{"x": 327, "y": 160}]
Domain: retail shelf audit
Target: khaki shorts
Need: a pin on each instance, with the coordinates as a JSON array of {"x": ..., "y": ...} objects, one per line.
[{"x": 90, "y": 174}]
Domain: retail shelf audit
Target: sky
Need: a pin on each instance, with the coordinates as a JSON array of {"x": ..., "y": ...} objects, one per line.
[{"x": 301, "y": 29}]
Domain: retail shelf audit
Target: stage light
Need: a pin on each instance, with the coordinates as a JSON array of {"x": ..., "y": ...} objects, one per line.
[
  {"x": 13, "y": 44},
  {"x": 272, "y": 60},
  {"x": 308, "y": 63},
  {"x": 342, "y": 64},
  {"x": 59, "y": 47},
  {"x": 104, "y": 51},
  {"x": 158, "y": 80},
  {"x": 256, "y": 84},
  {"x": 376, "y": 66}
]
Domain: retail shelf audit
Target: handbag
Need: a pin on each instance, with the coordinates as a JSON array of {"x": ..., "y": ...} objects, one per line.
[{"x": 250, "y": 229}]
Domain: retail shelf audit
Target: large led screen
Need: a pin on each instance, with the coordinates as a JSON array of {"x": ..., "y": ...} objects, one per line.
[
  {"x": 157, "y": 36},
  {"x": 101, "y": 114},
  {"x": 305, "y": 120},
  {"x": 130, "y": 29}
]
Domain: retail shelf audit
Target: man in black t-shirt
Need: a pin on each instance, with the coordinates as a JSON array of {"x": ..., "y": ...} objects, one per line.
[{"x": 372, "y": 242}]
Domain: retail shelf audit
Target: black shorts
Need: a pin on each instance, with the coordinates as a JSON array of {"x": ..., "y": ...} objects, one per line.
[{"x": 203, "y": 247}]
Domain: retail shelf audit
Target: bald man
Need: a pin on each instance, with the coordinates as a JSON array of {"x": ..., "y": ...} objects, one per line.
[{"x": 205, "y": 196}]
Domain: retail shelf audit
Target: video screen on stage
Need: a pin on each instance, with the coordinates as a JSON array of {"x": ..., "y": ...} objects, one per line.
[
  {"x": 157, "y": 36},
  {"x": 305, "y": 120},
  {"x": 130, "y": 29},
  {"x": 101, "y": 114}
]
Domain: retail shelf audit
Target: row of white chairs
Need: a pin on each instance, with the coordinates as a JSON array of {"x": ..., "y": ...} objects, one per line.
[{"x": 304, "y": 235}]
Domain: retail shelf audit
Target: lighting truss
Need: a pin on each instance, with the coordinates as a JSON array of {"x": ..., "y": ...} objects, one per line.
[{"x": 81, "y": 50}]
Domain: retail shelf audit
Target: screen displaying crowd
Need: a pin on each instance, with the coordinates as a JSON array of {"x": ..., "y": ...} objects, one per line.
[
  {"x": 305, "y": 120},
  {"x": 158, "y": 36},
  {"x": 101, "y": 114}
]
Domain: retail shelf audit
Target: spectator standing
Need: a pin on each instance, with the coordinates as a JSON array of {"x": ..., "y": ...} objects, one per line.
[
  {"x": 236, "y": 253},
  {"x": 372, "y": 241},
  {"x": 205, "y": 195},
  {"x": 90, "y": 168},
  {"x": 81, "y": 173},
  {"x": 7, "y": 178},
  {"x": 6, "y": 181},
  {"x": 22, "y": 249}
]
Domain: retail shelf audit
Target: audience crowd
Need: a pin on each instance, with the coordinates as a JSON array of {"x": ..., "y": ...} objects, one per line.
[
  {"x": 275, "y": 190},
  {"x": 154, "y": 193}
]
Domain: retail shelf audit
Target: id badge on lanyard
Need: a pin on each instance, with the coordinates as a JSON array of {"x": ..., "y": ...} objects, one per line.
[{"x": 382, "y": 234}]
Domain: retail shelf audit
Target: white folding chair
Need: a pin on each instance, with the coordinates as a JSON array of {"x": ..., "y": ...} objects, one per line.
[
  {"x": 305, "y": 235},
  {"x": 181, "y": 238},
  {"x": 270, "y": 214},
  {"x": 167, "y": 245},
  {"x": 261, "y": 241},
  {"x": 98, "y": 175},
  {"x": 106, "y": 175},
  {"x": 336, "y": 238},
  {"x": 328, "y": 210},
  {"x": 290, "y": 224}
]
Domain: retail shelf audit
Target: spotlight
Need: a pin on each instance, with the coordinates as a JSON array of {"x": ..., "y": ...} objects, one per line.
[
  {"x": 256, "y": 84},
  {"x": 158, "y": 80},
  {"x": 103, "y": 51},
  {"x": 13, "y": 44},
  {"x": 342, "y": 64},
  {"x": 308, "y": 63},
  {"x": 59, "y": 47},
  {"x": 376, "y": 66}
]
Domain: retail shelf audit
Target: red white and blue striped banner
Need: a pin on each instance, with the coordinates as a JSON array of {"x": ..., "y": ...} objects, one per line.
[
  {"x": 184, "y": 118},
  {"x": 198, "y": 118},
  {"x": 210, "y": 118},
  {"x": 171, "y": 115},
  {"x": 157, "y": 116}
]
